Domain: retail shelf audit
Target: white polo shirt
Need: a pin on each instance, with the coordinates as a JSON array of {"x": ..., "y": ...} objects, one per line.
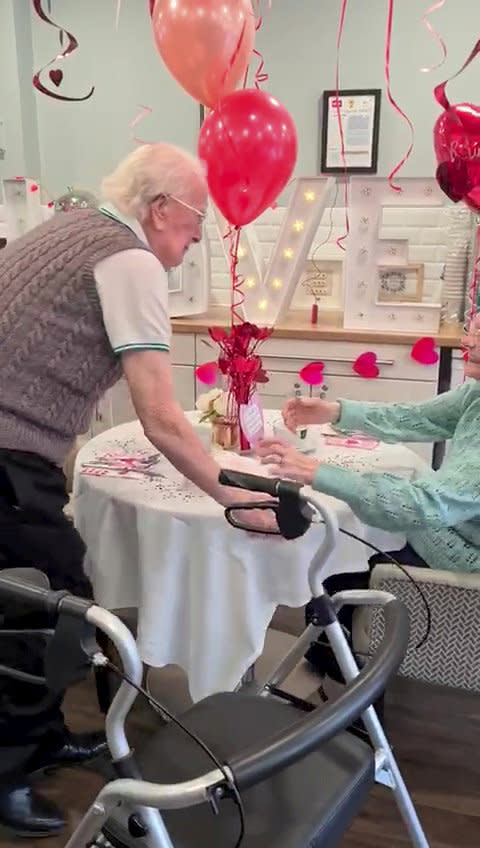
[{"x": 133, "y": 291}]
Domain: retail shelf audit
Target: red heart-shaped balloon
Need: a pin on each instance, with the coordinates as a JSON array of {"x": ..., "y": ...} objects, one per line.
[
  {"x": 456, "y": 138},
  {"x": 207, "y": 373},
  {"x": 312, "y": 374},
  {"x": 423, "y": 351},
  {"x": 365, "y": 365},
  {"x": 56, "y": 76}
]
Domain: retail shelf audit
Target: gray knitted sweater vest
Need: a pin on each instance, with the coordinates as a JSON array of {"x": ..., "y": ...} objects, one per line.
[{"x": 55, "y": 357}]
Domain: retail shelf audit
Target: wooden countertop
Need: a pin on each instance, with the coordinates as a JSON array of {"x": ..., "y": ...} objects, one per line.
[{"x": 296, "y": 326}]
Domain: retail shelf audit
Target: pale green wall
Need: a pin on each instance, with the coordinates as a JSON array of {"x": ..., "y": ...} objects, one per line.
[{"x": 79, "y": 142}]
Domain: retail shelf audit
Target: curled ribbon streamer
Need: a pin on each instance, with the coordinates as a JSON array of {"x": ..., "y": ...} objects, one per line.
[
  {"x": 473, "y": 293},
  {"x": 72, "y": 45},
  {"x": 341, "y": 25},
  {"x": 146, "y": 110},
  {"x": 237, "y": 295},
  {"x": 440, "y": 91},
  {"x": 117, "y": 12},
  {"x": 235, "y": 52},
  {"x": 260, "y": 76},
  {"x": 391, "y": 99},
  {"x": 435, "y": 34}
]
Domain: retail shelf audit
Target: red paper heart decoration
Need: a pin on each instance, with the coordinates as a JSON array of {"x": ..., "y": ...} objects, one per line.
[
  {"x": 456, "y": 137},
  {"x": 423, "y": 351},
  {"x": 312, "y": 374},
  {"x": 365, "y": 365},
  {"x": 56, "y": 75},
  {"x": 207, "y": 373}
]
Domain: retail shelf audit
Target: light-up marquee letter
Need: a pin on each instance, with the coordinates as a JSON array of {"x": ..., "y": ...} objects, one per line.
[
  {"x": 369, "y": 248},
  {"x": 268, "y": 291}
]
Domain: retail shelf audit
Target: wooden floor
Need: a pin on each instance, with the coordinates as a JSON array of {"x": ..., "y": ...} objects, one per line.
[{"x": 436, "y": 736}]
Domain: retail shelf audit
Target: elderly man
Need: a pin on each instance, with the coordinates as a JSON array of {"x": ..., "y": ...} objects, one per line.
[{"x": 83, "y": 298}]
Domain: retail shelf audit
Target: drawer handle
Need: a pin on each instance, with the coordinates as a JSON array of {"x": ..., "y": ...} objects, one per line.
[{"x": 337, "y": 359}]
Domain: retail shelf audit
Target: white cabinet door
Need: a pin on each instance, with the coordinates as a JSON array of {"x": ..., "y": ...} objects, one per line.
[
  {"x": 281, "y": 386},
  {"x": 116, "y": 406},
  {"x": 184, "y": 382}
]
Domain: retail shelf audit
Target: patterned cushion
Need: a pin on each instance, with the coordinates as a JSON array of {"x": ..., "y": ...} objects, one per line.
[{"x": 451, "y": 654}]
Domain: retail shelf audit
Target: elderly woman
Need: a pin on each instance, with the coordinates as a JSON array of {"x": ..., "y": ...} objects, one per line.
[
  {"x": 83, "y": 299},
  {"x": 439, "y": 512}
]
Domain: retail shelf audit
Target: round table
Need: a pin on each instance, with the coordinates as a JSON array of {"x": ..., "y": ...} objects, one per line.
[{"x": 205, "y": 592}]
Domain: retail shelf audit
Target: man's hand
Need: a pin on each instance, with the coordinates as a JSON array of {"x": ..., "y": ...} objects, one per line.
[
  {"x": 302, "y": 412},
  {"x": 257, "y": 519},
  {"x": 286, "y": 461}
]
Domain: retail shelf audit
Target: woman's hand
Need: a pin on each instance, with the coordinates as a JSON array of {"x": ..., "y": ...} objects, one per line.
[
  {"x": 301, "y": 412},
  {"x": 286, "y": 461}
]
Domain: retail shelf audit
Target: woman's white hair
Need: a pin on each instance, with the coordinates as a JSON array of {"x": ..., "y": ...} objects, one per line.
[{"x": 149, "y": 171}]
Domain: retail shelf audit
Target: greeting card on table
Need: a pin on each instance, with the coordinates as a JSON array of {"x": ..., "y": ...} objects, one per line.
[
  {"x": 251, "y": 420},
  {"x": 118, "y": 464},
  {"x": 351, "y": 442}
]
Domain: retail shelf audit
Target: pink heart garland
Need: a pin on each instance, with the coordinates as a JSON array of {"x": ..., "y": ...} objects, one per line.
[
  {"x": 312, "y": 374},
  {"x": 207, "y": 373},
  {"x": 366, "y": 366},
  {"x": 56, "y": 75},
  {"x": 423, "y": 351}
]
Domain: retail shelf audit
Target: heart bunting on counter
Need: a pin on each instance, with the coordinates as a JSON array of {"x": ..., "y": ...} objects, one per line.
[
  {"x": 207, "y": 373},
  {"x": 366, "y": 366},
  {"x": 312, "y": 374},
  {"x": 423, "y": 351}
]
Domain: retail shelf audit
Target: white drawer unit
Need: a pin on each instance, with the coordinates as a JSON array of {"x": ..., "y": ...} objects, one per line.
[
  {"x": 400, "y": 378},
  {"x": 282, "y": 386},
  {"x": 394, "y": 361},
  {"x": 182, "y": 349}
]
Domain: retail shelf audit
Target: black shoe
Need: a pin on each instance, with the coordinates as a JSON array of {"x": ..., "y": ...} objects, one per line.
[
  {"x": 27, "y": 814},
  {"x": 322, "y": 660},
  {"x": 72, "y": 749}
]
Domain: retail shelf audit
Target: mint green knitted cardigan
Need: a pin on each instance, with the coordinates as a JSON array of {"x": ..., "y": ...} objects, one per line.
[{"x": 439, "y": 512}]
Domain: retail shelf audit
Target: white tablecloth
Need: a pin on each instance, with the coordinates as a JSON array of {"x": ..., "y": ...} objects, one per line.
[{"x": 204, "y": 591}]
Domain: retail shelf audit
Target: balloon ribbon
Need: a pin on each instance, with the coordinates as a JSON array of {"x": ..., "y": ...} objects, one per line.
[
  {"x": 440, "y": 90},
  {"x": 436, "y": 36},
  {"x": 391, "y": 99},
  {"x": 56, "y": 75},
  {"x": 146, "y": 110},
  {"x": 341, "y": 25}
]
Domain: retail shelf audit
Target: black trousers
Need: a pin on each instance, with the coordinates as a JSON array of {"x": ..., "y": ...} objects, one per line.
[
  {"x": 319, "y": 654},
  {"x": 35, "y": 533}
]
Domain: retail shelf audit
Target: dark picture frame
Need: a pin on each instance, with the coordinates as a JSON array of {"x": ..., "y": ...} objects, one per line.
[{"x": 364, "y": 106}]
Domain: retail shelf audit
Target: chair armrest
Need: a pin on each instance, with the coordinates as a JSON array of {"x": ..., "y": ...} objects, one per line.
[
  {"x": 451, "y": 654},
  {"x": 388, "y": 571}
]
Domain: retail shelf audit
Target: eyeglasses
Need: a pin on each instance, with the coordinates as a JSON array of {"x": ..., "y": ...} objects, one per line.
[{"x": 165, "y": 197}]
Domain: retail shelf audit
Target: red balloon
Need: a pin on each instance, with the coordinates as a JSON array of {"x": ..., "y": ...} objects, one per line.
[
  {"x": 249, "y": 145},
  {"x": 456, "y": 137}
]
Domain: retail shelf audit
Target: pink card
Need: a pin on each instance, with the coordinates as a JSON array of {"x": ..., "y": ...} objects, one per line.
[
  {"x": 251, "y": 420},
  {"x": 94, "y": 471},
  {"x": 351, "y": 442}
]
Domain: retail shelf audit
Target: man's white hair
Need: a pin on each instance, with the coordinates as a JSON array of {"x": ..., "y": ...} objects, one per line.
[{"x": 149, "y": 171}]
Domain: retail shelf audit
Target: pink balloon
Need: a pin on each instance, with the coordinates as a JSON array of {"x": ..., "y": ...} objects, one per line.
[
  {"x": 205, "y": 44},
  {"x": 249, "y": 144}
]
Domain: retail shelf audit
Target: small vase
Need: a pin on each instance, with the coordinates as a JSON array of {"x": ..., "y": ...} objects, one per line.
[{"x": 226, "y": 434}]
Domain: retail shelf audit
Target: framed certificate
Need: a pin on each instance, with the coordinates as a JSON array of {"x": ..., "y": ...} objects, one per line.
[{"x": 360, "y": 116}]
